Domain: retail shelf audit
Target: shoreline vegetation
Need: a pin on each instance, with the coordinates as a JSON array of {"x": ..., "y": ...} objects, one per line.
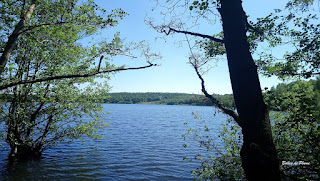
[
  {"x": 270, "y": 96},
  {"x": 165, "y": 98},
  {"x": 159, "y": 98},
  {"x": 156, "y": 98}
]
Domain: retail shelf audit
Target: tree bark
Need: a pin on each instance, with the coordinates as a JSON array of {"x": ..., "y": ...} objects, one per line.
[
  {"x": 13, "y": 38},
  {"x": 258, "y": 153}
]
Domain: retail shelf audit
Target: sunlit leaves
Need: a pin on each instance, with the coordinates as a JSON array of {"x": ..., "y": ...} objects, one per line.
[
  {"x": 300, "y": 33},
  {"x": 302, "y": 5},
  {"x": 41, "y": 115},
  {"x": 296, "y": 126},
  {"x": 201, "y": 5},
  {"x": 223, "y": 159}
]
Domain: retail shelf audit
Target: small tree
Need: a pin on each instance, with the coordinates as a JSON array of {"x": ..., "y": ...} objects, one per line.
[
  {"x": 222, "y": 160},
  {"x": 44, "y": 67},
  {"x": 296, "y": 129}
]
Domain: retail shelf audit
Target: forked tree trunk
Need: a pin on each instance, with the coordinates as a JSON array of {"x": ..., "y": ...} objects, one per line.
[{"x": 258, "y": 153}]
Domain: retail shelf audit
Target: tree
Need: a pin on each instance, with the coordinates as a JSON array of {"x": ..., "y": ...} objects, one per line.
[
  {"x": 224, "y": 161},
  {"x": 295, "y": 126},
  {"x": 238, "y": 39},
  {"x": 296, "y": 132},
  {"x": 258, "y": 153},
  {"x": 44, "y": 67},
  {"x": 301, "y": 32}
]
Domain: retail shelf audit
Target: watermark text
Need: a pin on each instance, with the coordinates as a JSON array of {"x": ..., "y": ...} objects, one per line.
[{"x": 295, "y": 163}]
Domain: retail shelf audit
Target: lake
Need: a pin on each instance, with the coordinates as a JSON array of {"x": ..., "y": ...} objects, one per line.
[{"x": 143, "y": 142}]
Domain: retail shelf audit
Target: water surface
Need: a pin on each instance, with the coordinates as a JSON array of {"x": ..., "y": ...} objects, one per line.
[{"x": 143, "y": 142}]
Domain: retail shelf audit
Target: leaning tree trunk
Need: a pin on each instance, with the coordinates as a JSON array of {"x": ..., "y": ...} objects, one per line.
[{"x": 258, "y": 153}]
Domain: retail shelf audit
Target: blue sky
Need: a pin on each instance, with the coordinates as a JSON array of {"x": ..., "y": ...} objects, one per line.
[{"x": 174, "y": 74}]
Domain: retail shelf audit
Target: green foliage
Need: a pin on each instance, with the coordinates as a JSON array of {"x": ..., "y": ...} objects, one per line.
[
  {"x": 296, "y": 128},
  {"x": 167, "y": 99},
  {"x": 222, "y": 160},
  {"x": 202, "y": 5},
  {"x": 302, "y": 5},
  {"x": 40, "y": 115},
  {"x": 296, "y": 124},
  {"x": 301, "y": 33},
  {"x": 212, "y": 48},
  {"x": 297, "y": 33},
  {"x": 281, "y": 97},
  {"x": 296, "y": 133}
]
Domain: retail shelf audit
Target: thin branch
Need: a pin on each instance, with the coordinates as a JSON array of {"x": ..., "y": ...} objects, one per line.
[
  {"x": 194, "y": 34},
  {"x": 113, "y": 53},
  {"x": 39, "y": 25},
  {"x": 72, "y": 76},
  {"x": 249, "y": 26},
  {"x": 121, "y": 53},
  {"x": 101, "y": 61},
  {"x": 44, "y": 135},
  {"x": 304, "y": 74},
  {"x": 215, "y": 102}
]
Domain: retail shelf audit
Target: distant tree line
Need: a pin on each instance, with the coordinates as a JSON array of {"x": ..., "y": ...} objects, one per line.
[
  {"x": 167, "y": 99},
  {"x": 281, "y": 89}
]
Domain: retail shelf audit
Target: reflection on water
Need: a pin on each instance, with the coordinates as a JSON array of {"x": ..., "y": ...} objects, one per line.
[{"x": 143, "y": 142}]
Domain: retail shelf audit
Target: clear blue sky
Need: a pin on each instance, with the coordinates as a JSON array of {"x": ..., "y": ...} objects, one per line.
[{"x": 174, "y": 74}]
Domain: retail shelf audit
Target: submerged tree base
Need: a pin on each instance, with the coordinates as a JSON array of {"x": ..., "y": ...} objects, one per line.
[{"x": 23, "y": 153}]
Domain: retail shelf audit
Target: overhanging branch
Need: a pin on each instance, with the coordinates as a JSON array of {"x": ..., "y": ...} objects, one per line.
[
  {"x": 194, "y": 34},
  {"x": 72, "y": 76},
  {"x": 214, "y": 101}
]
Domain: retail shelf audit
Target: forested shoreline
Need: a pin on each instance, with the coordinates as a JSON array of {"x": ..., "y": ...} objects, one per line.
[
  {"x": 282, "y": 89},
  {"x": 163, "y": 98},
  {"x": 166, "y": 99}
]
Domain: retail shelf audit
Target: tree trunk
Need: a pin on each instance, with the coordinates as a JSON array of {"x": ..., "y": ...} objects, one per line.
[
  {"x": 13, "y": 38},
  {"x": 24, "y": 152},
  {"x": 258, "y": 153}
]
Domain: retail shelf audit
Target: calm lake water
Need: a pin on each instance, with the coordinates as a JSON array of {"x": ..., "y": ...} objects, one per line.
[{"x": 143, "y": 142}]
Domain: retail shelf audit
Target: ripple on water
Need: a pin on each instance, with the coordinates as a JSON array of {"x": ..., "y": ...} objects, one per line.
[{"x": 143, "y": 142}]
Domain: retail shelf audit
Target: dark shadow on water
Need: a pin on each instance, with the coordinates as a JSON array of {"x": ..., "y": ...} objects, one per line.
[{"x": 13, "y": 169}]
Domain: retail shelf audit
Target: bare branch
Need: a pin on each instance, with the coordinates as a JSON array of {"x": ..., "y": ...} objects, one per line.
[
  {"x": 213, "y": 100},
  {"x": 113, "y": 53},
  {"x": 193, "y": 34},
  {"x": 100, "y": 61},
  {"x": 73, "y": 76}
]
